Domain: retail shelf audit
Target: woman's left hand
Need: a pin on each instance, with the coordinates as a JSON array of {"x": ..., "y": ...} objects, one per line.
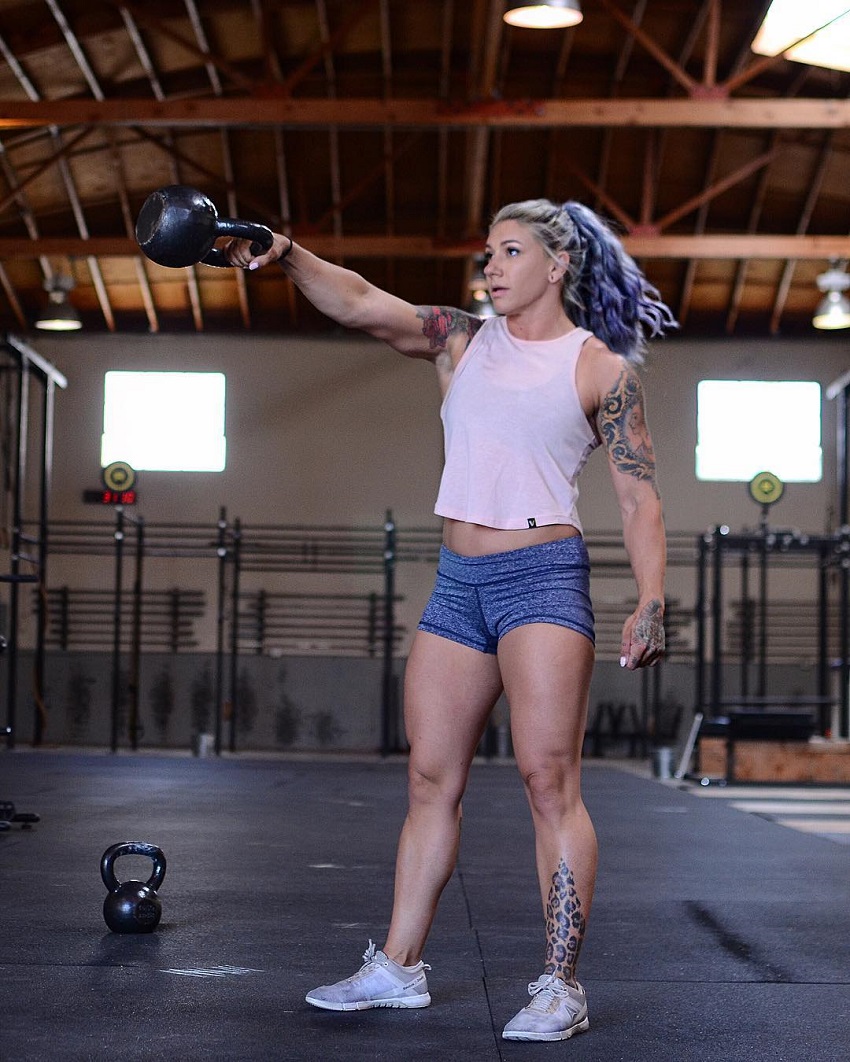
[{"x": 643, "y": 636}]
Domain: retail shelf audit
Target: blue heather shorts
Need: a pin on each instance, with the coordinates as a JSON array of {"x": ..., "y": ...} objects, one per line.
[{"x": 477, "y": 600}]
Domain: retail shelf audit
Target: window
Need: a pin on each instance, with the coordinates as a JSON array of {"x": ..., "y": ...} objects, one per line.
[
  {"x": 749, "y": 426},
  {"x": 164, "y": 421},
  {"x": 788, "y": 21}
]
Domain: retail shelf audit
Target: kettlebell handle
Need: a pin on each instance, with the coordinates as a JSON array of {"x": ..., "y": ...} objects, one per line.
[
  {"x": 261, "y": 239},
  {"x": 108, "y": 858},
  {"x": 178, "y": 226}
]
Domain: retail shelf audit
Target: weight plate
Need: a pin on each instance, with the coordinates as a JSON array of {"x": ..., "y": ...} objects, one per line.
[
  {"x": 119, "y": 476},
  {"x": 766, "y": 488}
]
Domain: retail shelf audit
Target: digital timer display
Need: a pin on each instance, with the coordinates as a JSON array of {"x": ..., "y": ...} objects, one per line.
[
  {"x": 110, "y": 497},
  {"x": 118, "y": 497}
]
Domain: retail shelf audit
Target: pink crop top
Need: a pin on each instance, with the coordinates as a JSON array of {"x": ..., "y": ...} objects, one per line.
[{"x": 516, "y": 436}]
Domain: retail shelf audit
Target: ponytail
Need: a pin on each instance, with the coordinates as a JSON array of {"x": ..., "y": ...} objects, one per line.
[{"x": 604, "y": 290}]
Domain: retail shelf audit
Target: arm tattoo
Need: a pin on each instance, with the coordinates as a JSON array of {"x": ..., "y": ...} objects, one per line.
[
  {"x": 649, "y": 628},
  {"x": 440, "y": 323},
  {"x": 622, "y": 424}
]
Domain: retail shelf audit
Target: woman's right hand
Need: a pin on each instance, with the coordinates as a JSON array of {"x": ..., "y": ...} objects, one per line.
[{"x": 238, "y": 252}]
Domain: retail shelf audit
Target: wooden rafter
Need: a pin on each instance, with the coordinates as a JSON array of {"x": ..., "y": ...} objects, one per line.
[
  {"x": 333, "y": 132},
  {"x": 712, "y": 246},
  {"x": 716, "y": 189},
  {"x": 71, "y": 190},
  {"x": 709, "y": 86},
  {"x": 475, "y": 183},
  {"x": 365, "y": 183},
  {"x": 246, "y": 112},
  {"x": 12, "y": 297},
  {"x": 61, "y": 151},
  {"x": 712, "y": 45},
  {"x": 814, "y": 190},
  {"x": 326, "y": 46},
  {"x": 685, "y": 54},
  {"x": 195, "y": 74},
  {"x": 756, "y": 207},
  {"x": 676, "y": 71},
  {"x": 129, "y": 221},
  {"x": 155, "y": 24},
  {"x": 617, "y": 77}
]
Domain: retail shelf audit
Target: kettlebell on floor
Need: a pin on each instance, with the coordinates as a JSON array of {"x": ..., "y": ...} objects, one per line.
[{"x": 132, "y": 906}]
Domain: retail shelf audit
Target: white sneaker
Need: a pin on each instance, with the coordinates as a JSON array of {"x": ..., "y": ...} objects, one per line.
[
  {"x": 557, "y": 1011},
  {"x": 380, "y": 982}
]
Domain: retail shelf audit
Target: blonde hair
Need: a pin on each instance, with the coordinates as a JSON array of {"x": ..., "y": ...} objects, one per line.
[{"x": 604, "y": 290}]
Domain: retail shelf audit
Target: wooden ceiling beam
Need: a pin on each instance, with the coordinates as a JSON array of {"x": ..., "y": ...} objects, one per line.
[
  {"x": 716, "y": 189},
  {"x": 712, "y": 45},
  {"x": 486, "y": 65},
  {"x": 156, "y": 25},
  {"x": 670, "y": 65},
  {"x": 617, "y": 78},
  {"x": 325, "y": 48},
  {"x": 814, "y": 190},
  {"x": 13, "y": 300},
  {"x": 127, "y": 215},
  {"x": 61, "y": 151},
  {"x": 248, "y": 111},
  {"x": 179, "y": 157},
  {"x": 713, "y": 246}
]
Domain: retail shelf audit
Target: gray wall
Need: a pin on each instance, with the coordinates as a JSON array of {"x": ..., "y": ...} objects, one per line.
[{"x": 337, "y": 430}]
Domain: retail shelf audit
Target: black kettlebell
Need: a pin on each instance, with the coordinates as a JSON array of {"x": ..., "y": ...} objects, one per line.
[
  {"x": 132, "y": 907},
  {"x": 177, "y": 226}
]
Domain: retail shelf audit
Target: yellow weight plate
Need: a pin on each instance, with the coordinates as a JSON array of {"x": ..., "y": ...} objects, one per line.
[
  {"x": 766, "y": 488},
  {"x": 119, "y": 476}
]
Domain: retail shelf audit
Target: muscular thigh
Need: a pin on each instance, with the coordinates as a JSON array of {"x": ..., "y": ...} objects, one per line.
[
  {"x": 449, "y": 692},
  {"x": 546, "y": 670}
]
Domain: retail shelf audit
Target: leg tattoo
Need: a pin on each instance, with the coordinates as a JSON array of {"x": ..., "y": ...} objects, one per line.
[{"x": 565, "y": 924}]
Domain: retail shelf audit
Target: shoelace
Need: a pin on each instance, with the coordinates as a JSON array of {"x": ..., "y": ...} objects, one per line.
[
  {"x": 369, "y": 954},
  {"x": 545, "y": 990},
  {"x": 369, "y": 957}
]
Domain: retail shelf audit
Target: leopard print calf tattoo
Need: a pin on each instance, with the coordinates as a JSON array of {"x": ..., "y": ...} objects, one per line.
[{"x": 565, "y": 924}]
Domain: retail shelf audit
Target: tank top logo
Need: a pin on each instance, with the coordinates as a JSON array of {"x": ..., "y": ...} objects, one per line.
[{"x": 532, "y": 522}]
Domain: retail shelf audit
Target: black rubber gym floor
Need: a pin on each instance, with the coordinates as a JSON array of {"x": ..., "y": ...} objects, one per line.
[{"x": 715, "y": 934}]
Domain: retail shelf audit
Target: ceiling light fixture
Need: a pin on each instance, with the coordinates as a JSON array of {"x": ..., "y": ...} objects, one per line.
[
  {"x": 545, "y": 14},
  {"x": 834, "y": 308},
  {"x": 59, "y": 315}
]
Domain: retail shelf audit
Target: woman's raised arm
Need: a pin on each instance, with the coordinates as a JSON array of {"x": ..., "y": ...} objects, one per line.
[{"x": 352, "y": 301}]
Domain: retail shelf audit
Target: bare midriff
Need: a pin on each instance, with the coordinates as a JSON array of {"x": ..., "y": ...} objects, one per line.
[{"x": 475, "y": 540}]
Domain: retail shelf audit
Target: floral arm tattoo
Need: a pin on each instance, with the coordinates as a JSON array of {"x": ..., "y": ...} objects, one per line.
[
  {"x": 622, "y": 424},
  {"x": 440, "y": 323}
]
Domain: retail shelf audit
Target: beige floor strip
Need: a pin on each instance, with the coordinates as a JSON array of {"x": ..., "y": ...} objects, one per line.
[
  {"x": 817, "y": 825},
  {"x": 793, "y": 807}
]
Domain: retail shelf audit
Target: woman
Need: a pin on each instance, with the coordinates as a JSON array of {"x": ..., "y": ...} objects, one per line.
[{"x": 527, "y": 396}]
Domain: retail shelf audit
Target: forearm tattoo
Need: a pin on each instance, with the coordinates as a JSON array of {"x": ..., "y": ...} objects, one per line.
[
  {"x": 622, "y": 424},
  {"x": 649, "y": 627},
  {"x": 440, "y": 323},
  {"x": 565, "y": 924}
]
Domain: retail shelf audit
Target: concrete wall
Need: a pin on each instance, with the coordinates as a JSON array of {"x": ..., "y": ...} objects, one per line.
[
  {"x": 337, "y": 431},
  {"x": 290, "y": 704}
]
